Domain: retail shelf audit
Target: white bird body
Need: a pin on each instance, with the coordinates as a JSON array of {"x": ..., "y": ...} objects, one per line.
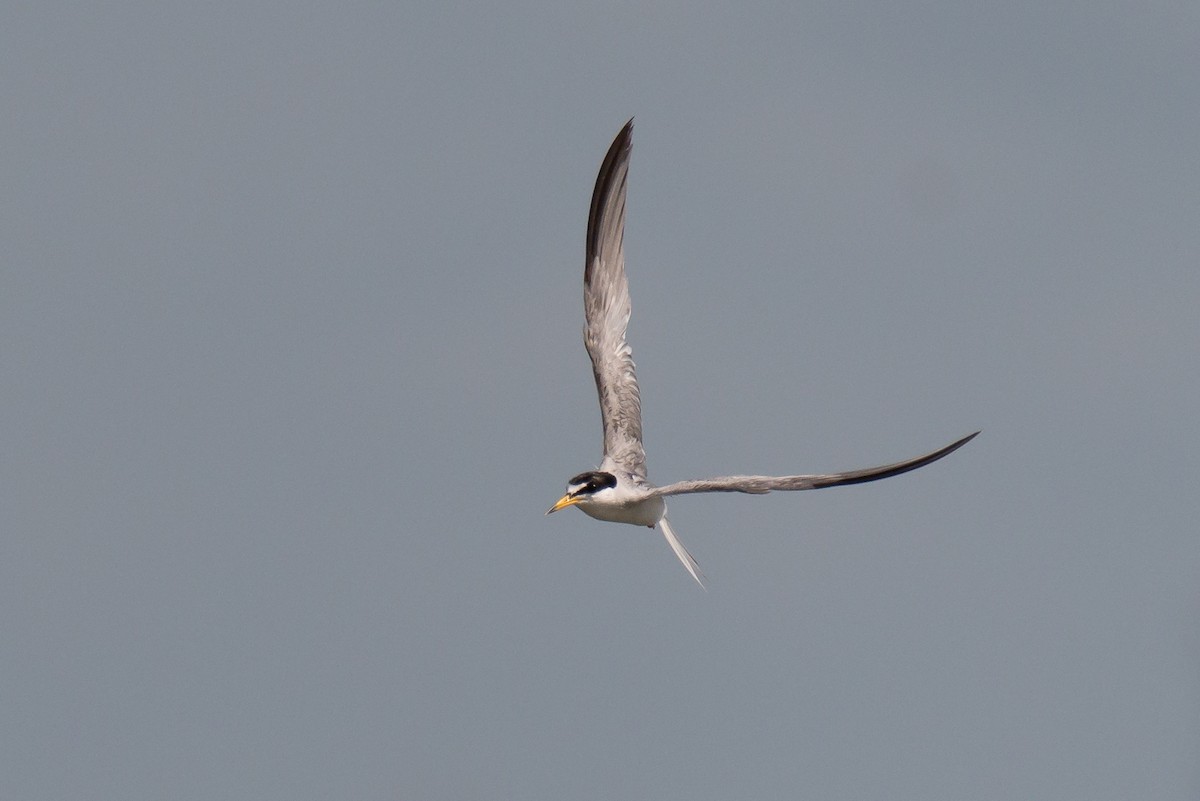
[
  {"x": 627, "y": 502},
  {"x": 618, "y": 492}
]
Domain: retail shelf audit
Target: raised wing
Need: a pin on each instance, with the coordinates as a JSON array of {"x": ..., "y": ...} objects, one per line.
[
  {"x": 760, "y": 485},
  {"x": 606, "y": 311}
]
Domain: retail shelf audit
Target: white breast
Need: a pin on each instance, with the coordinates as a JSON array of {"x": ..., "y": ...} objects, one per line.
[{"x": 642, "y": 512}]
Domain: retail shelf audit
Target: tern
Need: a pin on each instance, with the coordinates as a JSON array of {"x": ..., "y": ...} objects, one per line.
[{"x": 618, "y": 490}]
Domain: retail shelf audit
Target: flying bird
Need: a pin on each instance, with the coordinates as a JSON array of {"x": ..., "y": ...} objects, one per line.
[{"x": 618, "y": 490}]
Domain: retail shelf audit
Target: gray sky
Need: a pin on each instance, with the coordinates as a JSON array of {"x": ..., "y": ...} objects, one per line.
[{"x": 290, "y": 307}]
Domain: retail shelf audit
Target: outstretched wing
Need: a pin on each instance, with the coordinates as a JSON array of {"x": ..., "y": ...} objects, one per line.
[
  {"x": 759, "y": 485},
  {"x": 606, "y": 311}
]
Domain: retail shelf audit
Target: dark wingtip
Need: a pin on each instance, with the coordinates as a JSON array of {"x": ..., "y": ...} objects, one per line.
[
  {"x": 604, "y": 178},
  {"x": 887, "y": 471},
  {"x": 967, "y": 438},
  {"x": 951, "y": 448}
]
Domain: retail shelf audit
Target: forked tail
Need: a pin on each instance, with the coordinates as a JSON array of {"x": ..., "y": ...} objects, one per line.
[{"x": 680, "y": 551}]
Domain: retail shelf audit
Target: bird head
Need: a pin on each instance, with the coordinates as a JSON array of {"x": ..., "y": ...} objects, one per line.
[{"x": 584, "y": 487}]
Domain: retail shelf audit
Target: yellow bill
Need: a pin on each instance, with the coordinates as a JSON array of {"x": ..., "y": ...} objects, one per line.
[{"x": 563, "y": 503}]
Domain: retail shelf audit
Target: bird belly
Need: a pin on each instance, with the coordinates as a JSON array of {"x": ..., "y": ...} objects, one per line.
[{"x": 643, "y": 512}]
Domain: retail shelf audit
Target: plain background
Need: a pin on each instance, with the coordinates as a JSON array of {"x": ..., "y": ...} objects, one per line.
[{"x": 290, "y": 310}]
